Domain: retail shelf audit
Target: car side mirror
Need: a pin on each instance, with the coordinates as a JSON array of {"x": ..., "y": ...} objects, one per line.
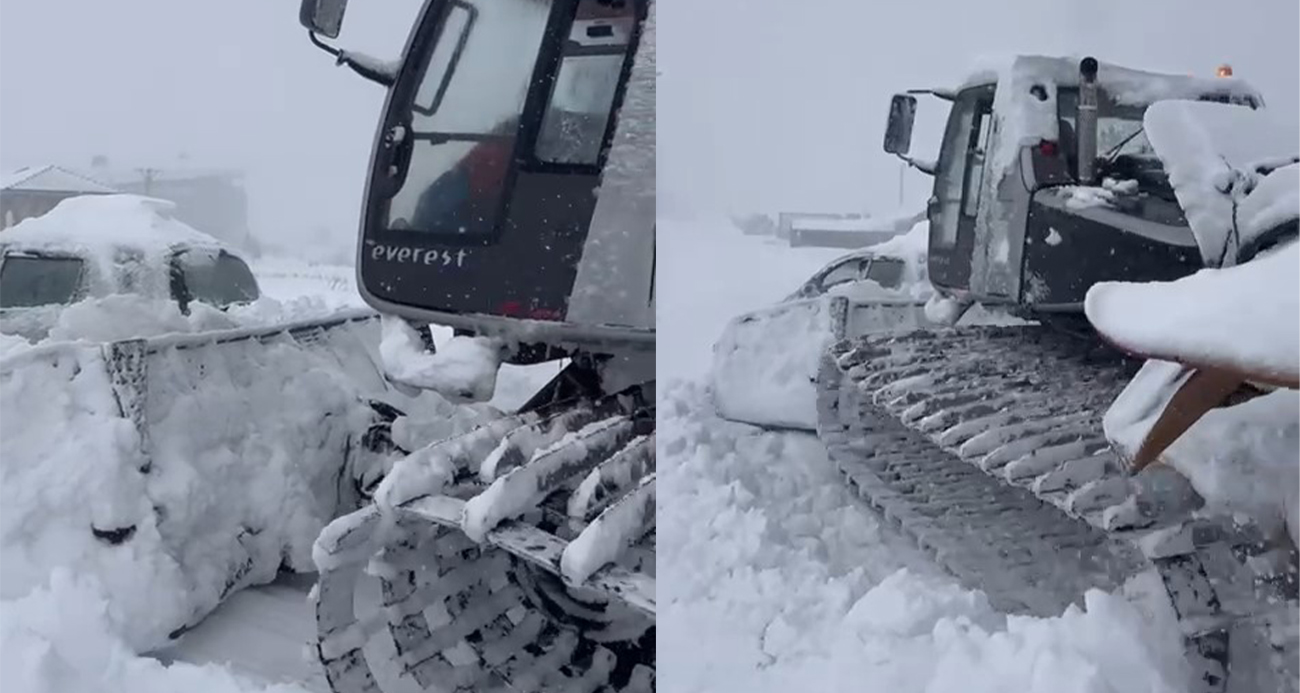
[
  {"x": 898, "y": 131},
  {"x": 324, "y": 17}
]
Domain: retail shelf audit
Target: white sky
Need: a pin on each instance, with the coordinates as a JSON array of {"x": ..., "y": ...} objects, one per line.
[
  {"x": 230, "y": 83},
  {"x": 770, "y": 106}
]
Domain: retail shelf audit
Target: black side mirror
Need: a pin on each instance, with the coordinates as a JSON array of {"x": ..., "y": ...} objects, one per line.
[
  {"x": 898, "y": 132},
  {"x": 324, "y": 17}
]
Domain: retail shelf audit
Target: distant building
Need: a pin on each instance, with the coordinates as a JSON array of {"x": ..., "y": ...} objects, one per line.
[
  {"x": 843, "y": 230},
  {"x": 211, "y": 200},
  {"x": 35, "y": 190}
]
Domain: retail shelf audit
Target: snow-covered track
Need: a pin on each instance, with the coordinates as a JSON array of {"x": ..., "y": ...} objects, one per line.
[
  {"x": 531, "y": 568},
  {"x": 985, "y": 445}
]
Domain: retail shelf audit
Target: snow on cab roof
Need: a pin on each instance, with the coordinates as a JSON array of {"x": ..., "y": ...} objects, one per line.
[
  {"x": 98, "y": 222},
  {"x": 51, "y": 178},
  {"x": 1125, "y": 85}
]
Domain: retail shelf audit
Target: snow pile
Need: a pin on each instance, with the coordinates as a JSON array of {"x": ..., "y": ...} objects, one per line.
[
  {"x": 1245, "y": 317},
  {"x": 1242, "y": 459},
  {"x": 1275, "y": 200},
  {"x": 101, "y": 223},
  {"x": 794, "y": 585},
  {"x": 243, "y": 464},
  {"x": 1085, "y": 196},
  {"x": 1211, "y": 151},
  {"x": 123, "y": 316},
  {"x": 765, "y": 363},
  {"x": 463, "y": 369},
  {"x": 60, "y": 639}
]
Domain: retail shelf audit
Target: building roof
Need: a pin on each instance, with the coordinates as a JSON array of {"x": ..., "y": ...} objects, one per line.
[{"x": 51, "y": 178}]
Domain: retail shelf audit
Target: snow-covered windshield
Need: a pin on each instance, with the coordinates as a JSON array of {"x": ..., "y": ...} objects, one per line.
[
  {"x": 27, "y": 281},
  {"x": 218, "y": 279}
]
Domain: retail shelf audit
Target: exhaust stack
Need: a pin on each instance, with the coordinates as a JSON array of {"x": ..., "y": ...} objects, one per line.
[{"x": 1086, "y": 122}]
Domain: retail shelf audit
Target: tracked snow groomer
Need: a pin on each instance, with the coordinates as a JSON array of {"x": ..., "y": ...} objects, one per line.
[
  {"x": 1054, "y": 177},
  {"x": 510, "y": 197}
]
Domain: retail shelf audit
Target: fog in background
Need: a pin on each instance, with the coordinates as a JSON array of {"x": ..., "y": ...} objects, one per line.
[
  {"x": 780, "y": 106},
  {"x": 229, "y": 84}
]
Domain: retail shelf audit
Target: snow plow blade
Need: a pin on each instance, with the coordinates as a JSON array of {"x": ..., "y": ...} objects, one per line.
[
  {"x": 518, "y": 556},
  {"x": 765, "y": 363},
  {"x": 995, "y": 434}
]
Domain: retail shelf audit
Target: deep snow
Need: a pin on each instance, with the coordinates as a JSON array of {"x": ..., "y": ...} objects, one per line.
[
  {"x": 77, "y": 611},
  {"x": 772, "y": 577}
]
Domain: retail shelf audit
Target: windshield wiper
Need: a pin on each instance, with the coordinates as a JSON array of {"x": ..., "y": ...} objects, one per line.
[{"x": 1113, "y": 153}]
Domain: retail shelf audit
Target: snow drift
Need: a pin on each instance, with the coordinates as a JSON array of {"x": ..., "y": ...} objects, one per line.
[{"x": 180, "y": 468}]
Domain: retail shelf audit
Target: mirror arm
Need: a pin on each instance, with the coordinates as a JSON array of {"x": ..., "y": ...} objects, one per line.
[
  {"x": 927, "y": 167},
  {"x": 322, "y": 45},
  {"x": 945, "y": 94},
  {"x": 362, "y": 64}
]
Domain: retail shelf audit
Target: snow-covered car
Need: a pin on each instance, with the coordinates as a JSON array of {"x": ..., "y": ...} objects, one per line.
[
  {"x": 93, "y": 247},
  {"x": 890, "y": 273},
  {"x": 765, "y": 360}
]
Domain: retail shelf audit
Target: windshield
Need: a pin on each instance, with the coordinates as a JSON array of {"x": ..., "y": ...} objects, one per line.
[
  {"x": 464, "y": 116},
  {"x": 27, "y": 281},
  {"x": 216, "y": 278},
  {"x": 1119, "y": 127}
]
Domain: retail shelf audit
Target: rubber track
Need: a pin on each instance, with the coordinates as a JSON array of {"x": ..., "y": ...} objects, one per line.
[
  {"x": 985, "y": 445},
  {"x": 464, "y": 616}
]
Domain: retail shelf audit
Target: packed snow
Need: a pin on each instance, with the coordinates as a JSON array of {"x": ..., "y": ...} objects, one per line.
[
  {"x": 1245, "y": 317},
  {"x": 229, "y": 483},
  {"x": 60, "y": 639},
  {"x": 462, "y": 368},
  {"x": 794, "y": 585},
  {"x": 1243, "y": 459},
  {"x": 1211, "y": 152}
]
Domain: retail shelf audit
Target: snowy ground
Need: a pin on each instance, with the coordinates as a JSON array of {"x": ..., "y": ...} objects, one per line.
[{"x": 773, "y": 578}]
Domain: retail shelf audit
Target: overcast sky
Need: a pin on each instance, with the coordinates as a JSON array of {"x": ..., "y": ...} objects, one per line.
[
  {"x": 230, "y": 83},
  {"x": 763, "y": 104},
  {"x": 770, "y": 105}
]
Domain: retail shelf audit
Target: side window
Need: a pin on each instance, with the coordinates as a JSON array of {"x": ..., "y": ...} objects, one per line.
[
  {"x": 975, "y": 158},
  {"x": 845, "y": 272},
  {"x": 213, "y": 277},
  {"x": 465, "y": 116},
  {"x": 582, "y": 98},
  {"x": 886, "y": 272}
]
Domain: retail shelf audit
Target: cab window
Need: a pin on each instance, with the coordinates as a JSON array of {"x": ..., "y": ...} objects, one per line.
[
  {"x": 582, "y": 98},
  {"x": 464, "y": 116}
]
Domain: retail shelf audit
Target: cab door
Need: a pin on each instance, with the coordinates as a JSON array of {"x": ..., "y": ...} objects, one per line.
[{"x": 958, "y": 181}]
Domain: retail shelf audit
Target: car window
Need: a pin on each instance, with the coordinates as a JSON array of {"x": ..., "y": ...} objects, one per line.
[
  {"x": 886, "y": 272},
  {"x": 845, "y": 272},
  {"x": 214, "y": 277},
  {"x": 32, "y": 280}
]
